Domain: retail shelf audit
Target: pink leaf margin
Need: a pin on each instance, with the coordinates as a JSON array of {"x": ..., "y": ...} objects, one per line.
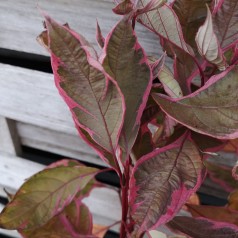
[
  {"x": 55, "y": 62},
  {"x": 144, "y": 60},
  {"x": 183, "y": 193},
  {"x": 210, "y": 82}
]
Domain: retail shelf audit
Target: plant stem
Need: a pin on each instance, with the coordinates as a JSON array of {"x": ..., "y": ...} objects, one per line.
[{"x": 124, "y": 192}]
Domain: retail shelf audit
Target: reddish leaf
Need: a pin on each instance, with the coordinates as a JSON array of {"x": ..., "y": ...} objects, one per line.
[
  {"x": 226, "y": 23},
  {"x": 94, "y": 98},
  {"x": 220, "y": 214},
  {"x": 169, "y": 83},
  {"x": 194, "y": 110},
  {"x": 124, "y": 7},
  {"x": 216, "y": 6},
  {"x": 145, "y": 6},
  {"x": 191, "y": 15},
  {"x": 221, "y": 175},
  {"x": 36, "y": 202},
  {"x": 207, "y": 143},
  {"x": 161, "y": 183},
  {"x": 74, "y": 222},
  {"x": 164, "y": 22},
  {"x": 99, "y": 36},
  {"x": 203, "y": 228},
  {"x": 126, "y": 62},
  {"x": 144, "y": 143}
]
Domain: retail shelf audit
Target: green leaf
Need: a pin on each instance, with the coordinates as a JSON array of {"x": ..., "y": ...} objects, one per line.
[
  {"x": 126, "y": 62},
  {"x": 212, "y": 110},
  {"x": 161, "y": 183},
  {"x": 45, "y": 195},
  {"x": 74, "y": 222}
]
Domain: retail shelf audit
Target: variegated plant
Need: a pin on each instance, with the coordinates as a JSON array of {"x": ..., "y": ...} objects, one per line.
[{"x": 154, "y": 124}]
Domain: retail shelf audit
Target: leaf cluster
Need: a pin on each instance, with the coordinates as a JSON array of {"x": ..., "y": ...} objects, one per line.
[{"x": 154, "y": 123}]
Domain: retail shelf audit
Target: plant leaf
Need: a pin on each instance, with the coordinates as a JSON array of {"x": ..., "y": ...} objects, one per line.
[
  {"x": 208, "y": 45},
  {"x": 145, "y": 6},
  {"x": 124, "y": 7},
  {"x": 36, "y": 202},
  {"x": 94, "y": 98},
  {"x": 216, "y": 6},
  {"x": 207, "y": 143},
  {"x": 161, "y": 183},
  {"x": 170, "y": 85},
  {"x": 217, "y": 97},
  {"x": 226, "y": 24},
  {"x": 191, "y": 15},
  {"x": 126, "y": 62},
  {"x": 74, "y": 222},
  {"x": 221, "y": 175},
  {"x": 99, "y": 36},
  {"x": 164, "y": 22},
  {"x": 203, "y": 228},
  {"x": 220, "y": 214},
  {"x": 144, "y": 143}
]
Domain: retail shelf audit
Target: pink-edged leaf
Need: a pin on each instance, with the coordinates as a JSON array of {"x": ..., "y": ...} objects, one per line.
[
  {"x": 74, "y": 222},
  {"x": 208, "y": 45},
  {"x": 220, "y": 214},
  {"x": 99, "y": 36},
  {"x": 185, "y": 69},
  {"x": 126, "y": 62},
  {"x": 216, "y": 6},
  {"x": 65, "y": 163},
  {"x": 217, "y": 97},
  {"x": 221, "y": 175},
  {"x": 191, "y": 15},
  {"x": 161, "y": 183},
  {"x": 207, "y": 143},
  {"x": 203, "y": 228},
  {"x": 169, "y": 83},
  {"x": 226, "y": 24},
  {"x": 234, "y": 59},
  {"x": 145, "y": 6},
  {"x": 164, "y": 22},
  {"x": 169, "y": 125},
  {"x": 45, "y": 195},
  {"x": 124, "y": 7},
  {"x": 156, "y": 65},
  {"x": 144, "y": 143},
  {"x": 94, "y": 98}
]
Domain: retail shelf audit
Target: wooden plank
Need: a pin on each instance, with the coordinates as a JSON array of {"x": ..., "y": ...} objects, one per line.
[
  {"x": 31, "y": 96},
  {"x": 9, "y": 140},
  {"x": 15, "y": 170},
  {"x": 57, "y": 142},
  {"x": 21, "y": 22}
]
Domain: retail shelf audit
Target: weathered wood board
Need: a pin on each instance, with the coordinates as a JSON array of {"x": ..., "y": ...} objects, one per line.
[{"x": 21, "y": 21}]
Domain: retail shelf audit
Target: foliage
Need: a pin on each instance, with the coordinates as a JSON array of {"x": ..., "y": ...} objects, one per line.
[{"x": 154, "y": 124}]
